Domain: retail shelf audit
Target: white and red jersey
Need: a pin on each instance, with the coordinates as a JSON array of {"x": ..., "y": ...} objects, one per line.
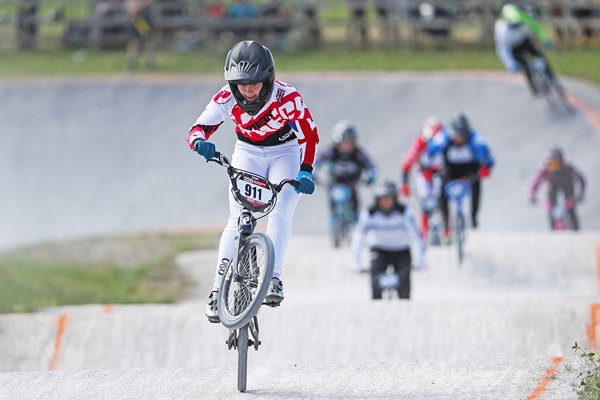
[
  {"x": 283, "y": 118},
  {"x": 417, "y": 151}
]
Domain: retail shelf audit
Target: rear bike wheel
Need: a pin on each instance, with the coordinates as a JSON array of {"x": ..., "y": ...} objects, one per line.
[
  {"x": 459, "y": 233},
  {"x": 245, "y": 284},
  {"x": 242, "y": 348}
]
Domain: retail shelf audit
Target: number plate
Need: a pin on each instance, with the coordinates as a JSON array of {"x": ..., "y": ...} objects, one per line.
[{"x": 254, "y": 189}]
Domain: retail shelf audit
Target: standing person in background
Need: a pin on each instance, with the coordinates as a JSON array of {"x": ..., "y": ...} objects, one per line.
[
  {"x": 389, "y": 227},
  {"x": 277, "y": 139},
  {"x": 428, "y": 182},
  {"x": 27, "y": 24},
  {"x": 562, "y": 177},
  {"x": 387, "y": 15},
  {"x": 141, "y": 33},
  {"x": 242, "y": 12},
  {"x": 466, "y": 155},
  {"x": 513, "y": 35},
  {"x": 357, "y": 21},
  {"x": 277, "y": 15}
]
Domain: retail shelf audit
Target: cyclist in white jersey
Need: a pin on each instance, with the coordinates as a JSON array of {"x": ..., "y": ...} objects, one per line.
[{"x": 277, "y": 138}]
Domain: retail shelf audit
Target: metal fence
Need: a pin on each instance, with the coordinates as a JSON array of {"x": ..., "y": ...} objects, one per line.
[{"x": 187, "y": 25}]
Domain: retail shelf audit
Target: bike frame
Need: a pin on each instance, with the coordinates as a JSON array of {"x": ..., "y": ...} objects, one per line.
[{"x": 456, "y": 192}]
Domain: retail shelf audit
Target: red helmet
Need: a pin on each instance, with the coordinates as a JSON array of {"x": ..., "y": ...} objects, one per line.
[{"x": 431, "y": 126}]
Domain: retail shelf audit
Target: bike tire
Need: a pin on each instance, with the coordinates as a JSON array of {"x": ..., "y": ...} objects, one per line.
[
  {"x": 245, "y": 285},
  {"x": 242, "y": 348},
  {"x": 459, "y": 234}
]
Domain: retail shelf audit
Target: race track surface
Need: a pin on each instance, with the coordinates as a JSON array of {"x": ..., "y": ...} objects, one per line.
[
  {"x": 109, "y": 155},
  {"x": 103, "y": 156}
]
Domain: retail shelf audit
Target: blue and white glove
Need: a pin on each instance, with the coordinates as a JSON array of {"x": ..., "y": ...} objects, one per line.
[
  {"x": 371, "y": 176},
  {"x": 306, "y": 183},
  {"x": 205, "y": 149}
]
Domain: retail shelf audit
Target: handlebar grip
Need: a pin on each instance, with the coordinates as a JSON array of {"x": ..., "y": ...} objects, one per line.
[
  {"x": 295, "y": 184},
  {"x": 217, "y": 155}
]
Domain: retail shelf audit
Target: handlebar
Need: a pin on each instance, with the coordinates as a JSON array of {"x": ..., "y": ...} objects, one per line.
[{"x": 223, "y": 161}]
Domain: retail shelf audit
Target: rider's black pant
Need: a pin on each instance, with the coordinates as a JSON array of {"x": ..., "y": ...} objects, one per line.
[
  {"x": 569, "y": 194},
  {"x": 475, "y": 196},
  {"x": 400, "y": 260},
  {"x": 521, "y": 54}
]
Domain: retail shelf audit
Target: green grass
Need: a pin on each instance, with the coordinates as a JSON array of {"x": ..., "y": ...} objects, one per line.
[
  {"x": 576, "y": 63},
  {"x": 125, "y": 269},
  {"x": 588, "y": 385}
]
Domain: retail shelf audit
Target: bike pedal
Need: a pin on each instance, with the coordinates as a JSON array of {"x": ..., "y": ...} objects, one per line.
[{"x": 271, "y": 304}]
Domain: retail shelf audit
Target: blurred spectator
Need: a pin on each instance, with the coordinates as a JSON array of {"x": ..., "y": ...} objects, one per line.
[
  {"x": 277, "y": 16},
  {"x": 242, "y": 9},
  {"x": 310, "y": 22},
  {"x": 386, "y": 13},
  {"x": 215, "y": 10},
  {"x": 141, "y": 33},
  {"x": 357, "y": 23},
  {"x": 241, "y": 12},
  {"x": 27, "y": 27}
]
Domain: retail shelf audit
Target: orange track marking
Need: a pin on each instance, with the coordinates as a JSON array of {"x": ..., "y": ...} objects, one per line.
[
  {"x": 550, "y": 374},
  {"x": 108, "y": 308},
  {"x": 592, "y": 115},
  {"x": 591, "y": 328},
  {"x": 62, "y": 322},
  {"x": 598, "y": 268}
]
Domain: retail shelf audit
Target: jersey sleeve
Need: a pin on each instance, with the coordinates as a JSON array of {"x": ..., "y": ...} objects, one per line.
[
  {"x": 412, "y": 155},
  {"x": 537, "y": 181},
  {"x": 294, "y": 110},
  {"x": 482, "y": 150},
  {"x": 211, "y": 118},
  {"x": 358, "y": 238},
  {"x": 503, "y": 48}
]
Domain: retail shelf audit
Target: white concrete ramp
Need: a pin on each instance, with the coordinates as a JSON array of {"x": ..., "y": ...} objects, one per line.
[{"x": 489, "y": 329}]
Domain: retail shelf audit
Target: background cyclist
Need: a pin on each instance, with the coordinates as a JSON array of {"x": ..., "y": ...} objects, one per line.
[
  {"x": 427, "y": 181},
  {"x": 513, "y": 35},
  {"x": 346, "y": 162},
  {"x": 466, "y": 155},
  {"x": 388, "y": 227},
  {"x": 562, "y": 177}
]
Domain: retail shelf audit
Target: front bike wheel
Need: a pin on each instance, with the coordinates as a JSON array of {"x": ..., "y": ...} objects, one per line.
[
  {"x": 242, "y": 348},
  {"x": 245, "y": 284},
  {"x": 459, "y": 233}
]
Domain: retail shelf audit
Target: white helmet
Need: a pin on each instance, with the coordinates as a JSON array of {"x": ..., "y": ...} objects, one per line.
[
  {"x": 344, "y": 130},
  {"x": 431, "y": 126}
]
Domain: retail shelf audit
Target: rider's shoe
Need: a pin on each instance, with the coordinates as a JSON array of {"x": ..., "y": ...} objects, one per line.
[
  {"x": 274, "y": 296},
  {"x": 211, "y": 307},
  {"x": 474, "y": 223}
]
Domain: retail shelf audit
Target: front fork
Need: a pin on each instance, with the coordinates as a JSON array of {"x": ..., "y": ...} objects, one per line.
[{"x": 253, "y": 340}]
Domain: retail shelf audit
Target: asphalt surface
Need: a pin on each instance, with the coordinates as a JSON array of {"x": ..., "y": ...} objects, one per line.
[{"x": 110, "y": 156}]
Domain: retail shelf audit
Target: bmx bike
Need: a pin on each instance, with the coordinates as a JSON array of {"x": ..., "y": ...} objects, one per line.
[
  {"x": 247, "y": 276},
  {"x": 456, "y": 191},
  {"x": 388, "y": 282},
  {"x": 547, "y": 86},
  {"x": 342, "y": 214}
]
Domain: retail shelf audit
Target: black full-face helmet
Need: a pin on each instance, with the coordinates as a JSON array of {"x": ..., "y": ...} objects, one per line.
[
  {"x": 460, "y": 126},
  {"x": 250, "y": 62}
]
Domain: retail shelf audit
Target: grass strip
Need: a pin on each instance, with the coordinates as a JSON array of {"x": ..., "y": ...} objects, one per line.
[
  {"x": 582, "y": 63},
  {"x": 105, "y": 270}
]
